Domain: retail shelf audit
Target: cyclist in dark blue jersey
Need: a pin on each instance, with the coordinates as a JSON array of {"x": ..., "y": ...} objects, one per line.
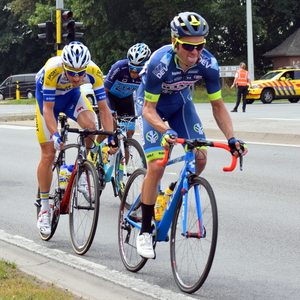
[
  {"x": 122, "y": 81},
  {"x": 164, "y": 95}
]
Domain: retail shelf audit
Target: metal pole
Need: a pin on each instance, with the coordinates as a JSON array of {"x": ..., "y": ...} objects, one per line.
[
  {"x": 59, "y": 6},
  {"x": 250, "y": 40}
]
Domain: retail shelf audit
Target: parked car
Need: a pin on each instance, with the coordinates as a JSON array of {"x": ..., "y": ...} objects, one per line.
[
  {"x": 274, "y": 85},
  {"x": 26, "y": 83}
]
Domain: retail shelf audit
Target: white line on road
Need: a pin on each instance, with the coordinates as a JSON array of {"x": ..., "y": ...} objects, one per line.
[{"x": 21, "y": 127}]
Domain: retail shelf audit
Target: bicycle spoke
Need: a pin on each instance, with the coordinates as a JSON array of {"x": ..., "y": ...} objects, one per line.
[
  {"x": 192, "y": 252},
  {"x": 128, "y": 232},
  {"x": 84, "y": 210},
  {"x": 135, "y": 158}
]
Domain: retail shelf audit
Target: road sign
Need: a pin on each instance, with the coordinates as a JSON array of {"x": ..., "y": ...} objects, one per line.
[
  {"x": 227, "y": 74},
  {"x": 228, "y": 71}
]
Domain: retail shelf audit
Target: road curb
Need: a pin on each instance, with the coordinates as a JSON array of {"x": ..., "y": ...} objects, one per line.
[{"x": 16, "y": 117}]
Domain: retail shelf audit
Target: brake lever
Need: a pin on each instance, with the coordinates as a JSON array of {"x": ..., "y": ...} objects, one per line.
[{"x": 241, "y": 163}]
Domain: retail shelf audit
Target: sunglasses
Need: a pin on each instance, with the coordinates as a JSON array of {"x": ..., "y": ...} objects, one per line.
[
  {"x": 135, "y": 68},
  {"x": 190, "y": 46},
  {"x": 73, "y": 73}
]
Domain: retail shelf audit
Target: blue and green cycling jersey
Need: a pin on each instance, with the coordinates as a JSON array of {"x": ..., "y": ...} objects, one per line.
[
  {"x": 118, "y": 80},
  {"x": 167, "y": 84}
]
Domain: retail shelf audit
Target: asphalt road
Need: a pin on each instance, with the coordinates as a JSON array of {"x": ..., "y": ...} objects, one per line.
[{"x": 258, "y": 245}]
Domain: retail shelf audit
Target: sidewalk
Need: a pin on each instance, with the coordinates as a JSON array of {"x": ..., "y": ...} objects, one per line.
[{"x": 260, "y": 124}]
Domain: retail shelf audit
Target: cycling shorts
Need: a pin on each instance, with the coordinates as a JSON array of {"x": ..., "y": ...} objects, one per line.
[
  {"x": 179, "y": 111},
  {"x": 122, "y": 106},
  {"x": 72, "y": 104}
]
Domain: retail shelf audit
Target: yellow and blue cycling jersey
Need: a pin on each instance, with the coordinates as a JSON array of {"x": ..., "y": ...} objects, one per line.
[
  {"x": 165, "y": 82},
  {"x": 52, "y": 81},
  {"x": 52, "y": 85}
]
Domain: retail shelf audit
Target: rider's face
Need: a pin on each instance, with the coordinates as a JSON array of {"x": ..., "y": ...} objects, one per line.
[
  {"x": 76, "y": 77},
  {"x": 189, "y": 58}
]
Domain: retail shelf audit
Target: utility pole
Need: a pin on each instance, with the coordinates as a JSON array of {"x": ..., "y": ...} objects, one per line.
[
  {"x": 59, "y": 7},
  {"x": 250, "y": 40}
]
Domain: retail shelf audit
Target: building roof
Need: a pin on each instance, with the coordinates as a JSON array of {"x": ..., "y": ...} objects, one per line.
[{"x": 289, "y": 47}]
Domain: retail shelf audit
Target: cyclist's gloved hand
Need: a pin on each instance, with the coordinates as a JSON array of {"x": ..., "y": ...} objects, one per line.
[
  {"x": 57, "y": 141},
  {"x": 232, "y": 145},
  {"x": 112, "y": 144},
  {"x": 170, "y": 133}
]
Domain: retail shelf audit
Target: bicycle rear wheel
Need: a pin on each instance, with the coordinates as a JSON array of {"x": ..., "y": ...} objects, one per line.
[
  {"x": 135, "y": 158},
  {"x": 192, "y": 254},
  {"x": 84, "y": 209},
  {"x": 127, "y": 233},
  {"x": 54, "y": 201}
]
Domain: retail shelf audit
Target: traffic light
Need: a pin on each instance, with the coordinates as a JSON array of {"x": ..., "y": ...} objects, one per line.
[
  {"x": 49, "y": 27},
  {"x": 68, "y": 27}
]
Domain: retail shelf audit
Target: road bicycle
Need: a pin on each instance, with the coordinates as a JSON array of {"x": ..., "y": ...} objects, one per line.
[
  {"x": 129, "y": 157},
  {"x": 82, "y": 207},
  {"x": 191, "y": 214}
]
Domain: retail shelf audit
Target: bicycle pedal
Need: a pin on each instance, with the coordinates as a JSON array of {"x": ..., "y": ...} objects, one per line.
[{"x": 37, "y": 204}]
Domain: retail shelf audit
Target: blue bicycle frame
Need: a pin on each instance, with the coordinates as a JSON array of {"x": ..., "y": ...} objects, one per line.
[{"x": 181, "y": 188}]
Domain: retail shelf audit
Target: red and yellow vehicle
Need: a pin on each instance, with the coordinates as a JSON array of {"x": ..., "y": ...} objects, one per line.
[{"x": 276, "y": 84}]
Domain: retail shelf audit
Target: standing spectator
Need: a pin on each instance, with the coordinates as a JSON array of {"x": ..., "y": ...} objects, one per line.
[{"x": 241, "y": 80}]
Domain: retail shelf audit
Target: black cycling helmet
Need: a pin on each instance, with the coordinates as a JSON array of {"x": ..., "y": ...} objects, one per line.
[{"x": 189, "y": 24}]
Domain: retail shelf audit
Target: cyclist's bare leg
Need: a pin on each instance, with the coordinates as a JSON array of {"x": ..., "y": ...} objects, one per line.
[
  {"x": 44, "y": 170},
  {"x": 86, "y": 119},
  {"x": 151, "y": 181},
  {"x": 130, "y": 133},
  {"x": 201, "y": 159}
]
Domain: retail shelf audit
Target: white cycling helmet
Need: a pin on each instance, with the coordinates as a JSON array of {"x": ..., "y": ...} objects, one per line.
[
  {"x": 138, "y": 54},
  {"x": 76, "y": 55}
]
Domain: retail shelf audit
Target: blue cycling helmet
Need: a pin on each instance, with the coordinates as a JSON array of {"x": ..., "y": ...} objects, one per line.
[
  {"x": 189, "y": 24},
  {"x": 138, "y": 54}
]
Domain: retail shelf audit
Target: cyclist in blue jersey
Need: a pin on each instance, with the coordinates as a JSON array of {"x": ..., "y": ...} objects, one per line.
[
  {"x": 58, "y": 90},
  {"x": 164, "y": 95},
  {"x": 122, "y": 81}
]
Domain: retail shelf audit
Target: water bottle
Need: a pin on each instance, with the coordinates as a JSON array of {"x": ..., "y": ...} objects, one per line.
[
  {"x": 69, "y": 172},
  {"x": 162, "y": 202},
  {"x": 159, "y": 207},
  {"x": 105, "y": 154},
  {"x": 63, "y": 176}
]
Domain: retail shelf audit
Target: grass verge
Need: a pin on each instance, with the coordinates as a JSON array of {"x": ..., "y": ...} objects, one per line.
[
  {"x": 14, "y": 284},
  {"x": 199, "y": 96}
]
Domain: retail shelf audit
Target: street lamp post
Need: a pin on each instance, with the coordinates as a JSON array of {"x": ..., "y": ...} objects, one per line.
[{"x": 250, "y": 40}]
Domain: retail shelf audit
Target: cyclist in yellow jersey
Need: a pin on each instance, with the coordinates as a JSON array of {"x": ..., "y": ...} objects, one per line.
[{"x": 58, "y": 90}]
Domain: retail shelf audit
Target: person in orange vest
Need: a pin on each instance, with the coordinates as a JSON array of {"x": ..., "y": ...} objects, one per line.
[{"x": 241, "y": 80}]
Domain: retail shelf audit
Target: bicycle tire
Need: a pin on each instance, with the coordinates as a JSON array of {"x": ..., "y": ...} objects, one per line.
[
  {"x": 54, "y": 196},
  {"x": 84, "y": 210},
  {"x": 127, "y": 233},
  {"x": 54, "y": 201},
  {"x": 137, "y": 159},
  {"x": 192, "y": 257}
]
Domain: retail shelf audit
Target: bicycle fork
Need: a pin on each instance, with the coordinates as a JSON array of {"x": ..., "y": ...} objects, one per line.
[{"x": 185, "y": 205}]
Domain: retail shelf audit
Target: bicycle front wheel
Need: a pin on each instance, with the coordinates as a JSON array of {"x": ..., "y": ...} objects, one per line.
[
  {"x": 192, "y": 252},
  {"x": 134, "y": 159},
  {"x": 127, "y": 232},
  {"x": 84, "y": 209}
]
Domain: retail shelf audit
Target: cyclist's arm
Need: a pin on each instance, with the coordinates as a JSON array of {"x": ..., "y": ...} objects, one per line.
[
  {"x": 222, "y": 118},
  {"x": 105, "y": 115},
  {"x": 49, "y": 116}
]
